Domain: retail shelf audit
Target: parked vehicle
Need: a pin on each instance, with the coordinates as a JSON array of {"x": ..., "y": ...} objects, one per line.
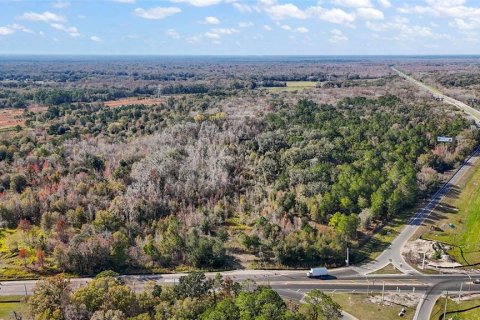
[{"x": 317, "y": 272}]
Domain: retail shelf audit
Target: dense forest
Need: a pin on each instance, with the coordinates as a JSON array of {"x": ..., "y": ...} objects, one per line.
[
  {"x": 182, "y": 185},
  {"x": 49, "y": 81}
]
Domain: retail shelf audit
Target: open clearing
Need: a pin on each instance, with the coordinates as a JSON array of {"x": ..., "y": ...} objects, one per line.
[
  {"x": 466, "y": 310},
  {"x": 294, "y": 85},
  {"x": 10, "y": 118},
  {"x": 461, "y": 208},
  {"x": 134, "y": 100},
  {"x": 362, "y": 307},
  {"x": 8, "y": 304}
]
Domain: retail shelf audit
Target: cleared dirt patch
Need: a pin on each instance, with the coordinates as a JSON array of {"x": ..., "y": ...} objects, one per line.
[{"x": 11, "y": 117}]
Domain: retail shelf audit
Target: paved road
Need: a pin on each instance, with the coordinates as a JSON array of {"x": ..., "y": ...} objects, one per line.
[
  {"x": 294, "y": 284},
  {"x": 474, "y": 113},
  {"x": 425, "y": 307},
  {"x": 393, "y": 252}
]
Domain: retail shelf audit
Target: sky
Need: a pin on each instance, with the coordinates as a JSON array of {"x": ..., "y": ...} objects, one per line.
[{"x": 240, "y": 27}]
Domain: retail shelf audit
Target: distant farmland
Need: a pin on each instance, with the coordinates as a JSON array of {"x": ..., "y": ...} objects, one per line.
[{"x": 295, "y": 85}]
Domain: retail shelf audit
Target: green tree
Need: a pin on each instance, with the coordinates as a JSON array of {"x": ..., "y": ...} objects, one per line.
[
  {"x": 194, "y": 285},
  {"x": 224, "y": 310},
  {"x": 50, "y": 298},
  {"x": 346, "y": 225},
  {"x": 18, "y": 183},
  {"x": 319, "y": 306},
  {"x": 107, "y": 293}
]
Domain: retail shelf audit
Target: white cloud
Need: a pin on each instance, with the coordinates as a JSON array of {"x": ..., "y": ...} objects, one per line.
[
  {"x": 95, "y": 39},
  {"x": 301, "y": 30},
  {"x": 370, "y": 14},
  {"x": 244, "y": 8},
  {"x": 462, "y": 24},
  {"x": 47, "y": 16},
  {"x": 334, "y": 15},
  {"x": 19, "y": 27},
  {"x": 5, "y": 31},
  {"x": 414, "y": 9},
  {"x": 284, "y": 11},
  {"x": 354, "y": 3},
  {"x": 267, "y": 27},
  {"x": 445, "y": 3},
  {"x": 72, "y": 31},
  {"x": 337, "y": 36},
  {"x": 245, "y": 24},
  {"x": 226, "y": 31},
  {"x": 194, "y": 39},
  {"x": 405, "y": 30},
  {"x": 61, "y": 4},
  {"x": 385, "y": 3},
  {"x": 156, "y": 13},
  {"x": 212, "y": 20},
  {"x": 444, "y": 8},
  {"x": 125, "y": 1},
  {"x": 286, "y": 27},
  {"x": 172, "y": 33},
  {"x": 217, "y": 33},
  {"x": 212, "y": 35},
  {"x": 199, "y": 3}
]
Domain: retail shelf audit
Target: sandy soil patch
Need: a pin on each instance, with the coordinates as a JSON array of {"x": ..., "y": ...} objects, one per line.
[{"x": 392, "y": 298}]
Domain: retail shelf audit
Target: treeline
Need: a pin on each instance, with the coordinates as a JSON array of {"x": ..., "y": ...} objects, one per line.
[
  {"x": 316, "y": 77},
  {"x": 62, "y": 96},
  {"x": 272, "y": 83},
  {"x": 13, "y": 99},
  {"x": 194, "y": 297},
  {"x": 459, "y": 80}
]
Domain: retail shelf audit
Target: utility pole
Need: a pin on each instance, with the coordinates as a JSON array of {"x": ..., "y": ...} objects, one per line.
[
  {"x": 445, "y": 310},
  {"x": 383, "y": 292},
  {"x": 347, "y": 261},
  {"x": 460, "y": 293}
]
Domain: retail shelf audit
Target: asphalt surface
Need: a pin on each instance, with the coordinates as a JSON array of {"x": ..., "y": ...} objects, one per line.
[
  {"x": 473, "y": 113},
  {"x": 393, "y": 253},
  {"x": 356, "y": 279}
]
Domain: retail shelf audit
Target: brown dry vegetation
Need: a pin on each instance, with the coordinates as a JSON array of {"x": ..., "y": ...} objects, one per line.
[
  {"x": 134, "y": 100},
  {"x": 13, "y": 117}
]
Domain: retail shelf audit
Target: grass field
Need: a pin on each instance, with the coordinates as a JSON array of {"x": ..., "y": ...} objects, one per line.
[
  {"x": 466, "y": 310},
  {"x": 359, "y": 306},
  {"x": 8, "y": 304},
  {"x": 462, "y": 208},
  {"x": 388, "y": 269},
  {"x": 294, "y": 85}
]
